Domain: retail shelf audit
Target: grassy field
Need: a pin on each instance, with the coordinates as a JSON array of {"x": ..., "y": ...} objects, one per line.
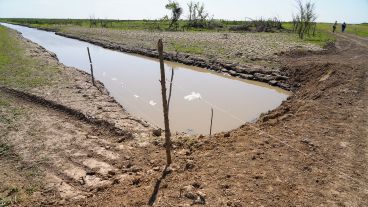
[
  {"x": 18, "y": 70},
  {"x": 214, "y": 25},
  {"x": 323, "y": 31},
  {"x": 358, "y": 29},
  {"x": 322, "y": 35}
]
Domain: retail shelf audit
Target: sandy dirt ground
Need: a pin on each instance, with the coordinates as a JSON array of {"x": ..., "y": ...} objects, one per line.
[{"x": 310, "y": 151}]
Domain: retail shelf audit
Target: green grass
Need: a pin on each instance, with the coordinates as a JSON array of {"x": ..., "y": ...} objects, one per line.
[
  {"x": 18, "y": 70},
  {"x": 56, "y": 24},
  {"x": 358, "y": 29},
  {"x": 322, "y": 35},
  {"x": 324, "y": 31},
  {"x": 192, "y": 49},
  {"x": 4, "y": 103},
  {"x": 30, "y": 190}
]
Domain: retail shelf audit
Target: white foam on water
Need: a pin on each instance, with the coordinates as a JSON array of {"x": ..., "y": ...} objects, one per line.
[
  {"x": 152, "y": 103},
  {"x": 193, "y": 96}
]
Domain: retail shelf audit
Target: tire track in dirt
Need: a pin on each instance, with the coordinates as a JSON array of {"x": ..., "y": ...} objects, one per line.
[{"x": 74, "y": 165}]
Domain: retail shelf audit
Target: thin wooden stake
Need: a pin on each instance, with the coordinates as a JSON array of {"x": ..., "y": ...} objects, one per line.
[
  {"x": 211, "y": 121},
  {"x": 171, "y": 84},
  {"x": 164, "y": 103},
  {"x": 90, "y": 63}
]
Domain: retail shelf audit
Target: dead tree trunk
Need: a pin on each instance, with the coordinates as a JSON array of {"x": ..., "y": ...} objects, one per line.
[
  {"x": 165, "y": 103},
  {"x": 90, "y": 63}
]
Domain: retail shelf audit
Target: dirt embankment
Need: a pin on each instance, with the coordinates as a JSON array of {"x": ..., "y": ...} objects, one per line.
[
  {"x": 311, "y": 151},
  {"x": 41, "y": 128},
  {"x": 75, "y": 94}
]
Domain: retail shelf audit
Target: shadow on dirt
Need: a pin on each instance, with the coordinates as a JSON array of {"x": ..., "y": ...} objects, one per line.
[{"x": 153, "y": 197}]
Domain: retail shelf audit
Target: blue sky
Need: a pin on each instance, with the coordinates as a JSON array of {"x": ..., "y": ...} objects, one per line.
[{"x": 351, "y": 11}]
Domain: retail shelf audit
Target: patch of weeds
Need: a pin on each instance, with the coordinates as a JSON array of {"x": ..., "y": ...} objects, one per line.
[
  {"x": 323, "y": 34},
  {"x": 13, "y": 191},
  {"x": 45, "y": 159},
  {"x": 5, "y": 150},
  {"x": 10, "y": 198},
  {"x": 321, "y": 39},
  {"x": 30, "y": 190},
  {"x": 10, "y": 115},
  {"x": 33, "y": 171},
  {"x": 5, "y": 202},
  {"x": 4, "y": 103},
  {"x": 192, "y": 49}
]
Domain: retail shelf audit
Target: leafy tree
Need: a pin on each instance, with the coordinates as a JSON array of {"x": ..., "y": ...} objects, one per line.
[
  {"x": 304, "y": 20},
  {"x": 197, "y": 15},
  {"x": 176, "y": 12},
  {"x": 92, "y": 21}
]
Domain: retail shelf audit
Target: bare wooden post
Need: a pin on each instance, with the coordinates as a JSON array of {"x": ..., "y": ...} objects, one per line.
[
  {"x": 164, "y": 103},
  {"x": 171, "y": 84},
  {"x": 211, "y": 121},
  {"x": 90, "y": 63}
]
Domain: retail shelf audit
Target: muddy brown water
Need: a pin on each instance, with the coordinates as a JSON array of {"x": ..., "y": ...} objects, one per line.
[{"x": 134, "y": 82}]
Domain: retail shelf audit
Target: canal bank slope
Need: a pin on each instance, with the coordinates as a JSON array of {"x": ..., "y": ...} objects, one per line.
[
  {"x": 52, "y": 127},
  {"x": 310, "y": 151}
]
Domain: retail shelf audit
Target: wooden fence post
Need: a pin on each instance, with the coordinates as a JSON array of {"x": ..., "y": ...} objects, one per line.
[
  {"x": 165, "y": 103},
  {"x": 170, "y": 90},
  {"x": 211, "y": 121},
  {"x": 90, "y": 63}
]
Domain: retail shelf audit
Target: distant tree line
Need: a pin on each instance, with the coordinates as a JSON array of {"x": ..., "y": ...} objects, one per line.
[
  {"x": 199, "y": 18},
  {"x": 259, "y": 25}
]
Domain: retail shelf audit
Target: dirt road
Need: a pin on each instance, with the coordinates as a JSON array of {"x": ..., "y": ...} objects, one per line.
[{"x": 311, "y": 151}]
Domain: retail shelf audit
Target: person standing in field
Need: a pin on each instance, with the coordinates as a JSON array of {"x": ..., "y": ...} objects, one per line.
[
  {"x": 343, "y": 27},
  {"x": 334, "y": 27}
]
